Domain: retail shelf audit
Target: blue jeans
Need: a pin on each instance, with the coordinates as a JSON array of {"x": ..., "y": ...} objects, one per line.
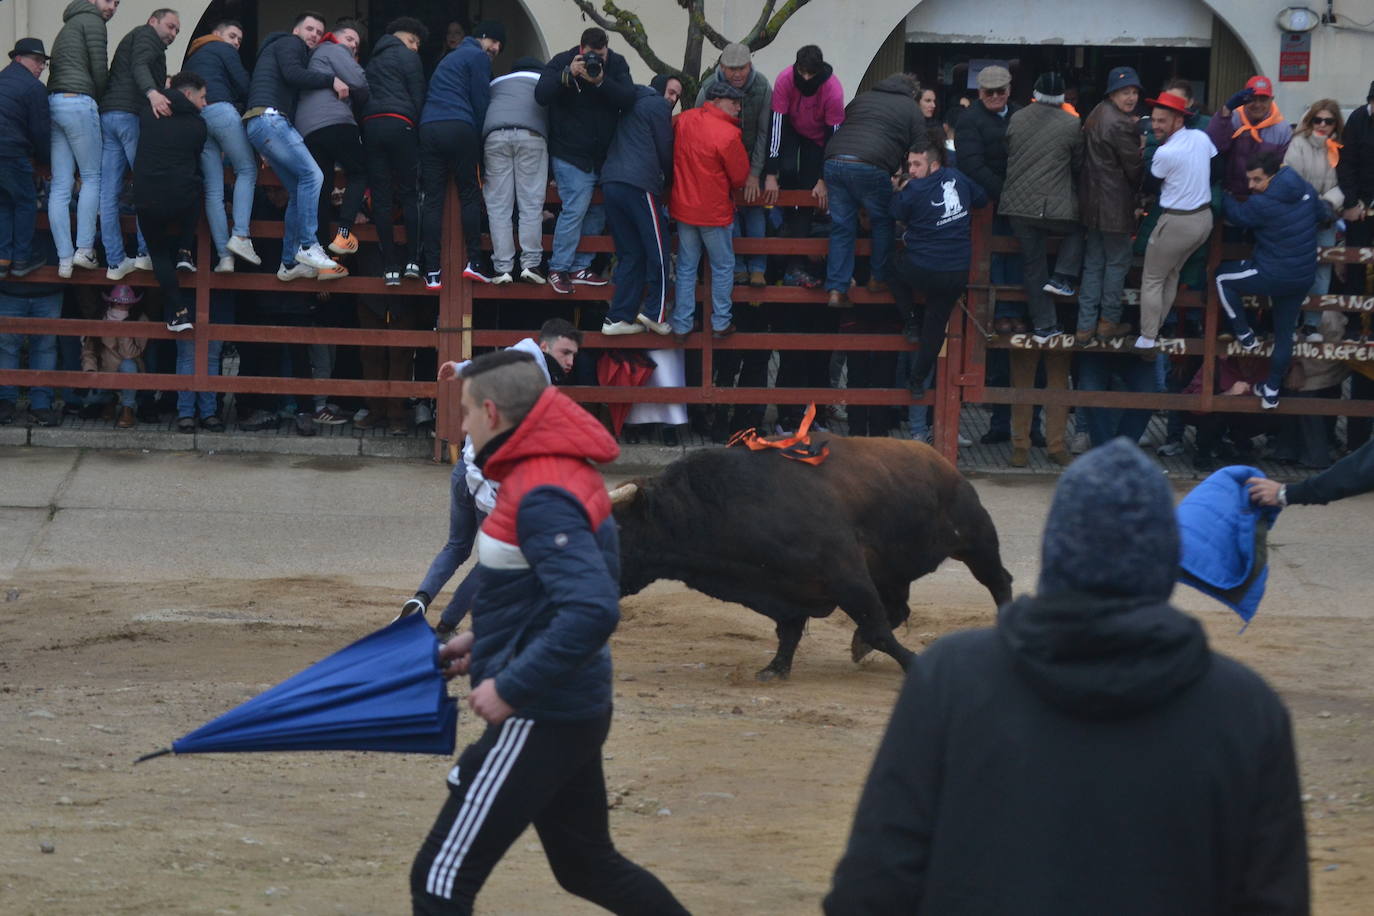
[
  {"x": 76, "y": 143},
  {"x": 1113, "y": 372},
  {"x": 226, "y": 139},
  {"x": 274, "y": 137},
  {"x": 189, "y": 401},
  {"x": 579, "y": 216},
  {"x": 18, "y": 209},
  {"x": 691, "y": 240},
  {"x": 42, "y": 347},
  {"x": 126, "y": 395},
  {"x": 119, "y": 146},
  {"x": 751, "y": 223},
  {"x": 852, "y": 185}
]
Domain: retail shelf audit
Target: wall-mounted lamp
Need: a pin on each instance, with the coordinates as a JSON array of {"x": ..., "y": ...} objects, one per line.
[{"x": 1298, "y": 19}]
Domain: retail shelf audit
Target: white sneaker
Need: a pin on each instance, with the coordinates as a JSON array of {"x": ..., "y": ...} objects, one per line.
[
  {"x": 297, "y": 271},
  {"x": 502, "y": 278},
  {"x": 1314, "y": 337},
  {"x": 243, "y": 247},
  {"x": 965, "y": 441},
  {"x": 64, "y": 268},
  {"x": 315, "y": 257},
  {"x": 120, "y": 270},
  {"x": 658, "y": 327},
  {"x": 143, "y": 262},
  {"x": 85, "y": 259},
  {"x": 225, "y": 265},
  {"x": 621, "y": 327}
]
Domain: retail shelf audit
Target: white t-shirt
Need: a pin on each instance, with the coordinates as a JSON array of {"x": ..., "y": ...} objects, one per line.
[{"x": 1184, "y": 162}]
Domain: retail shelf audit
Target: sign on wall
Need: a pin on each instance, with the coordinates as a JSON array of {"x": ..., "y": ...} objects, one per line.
[{"x": 1295, "y": 57}]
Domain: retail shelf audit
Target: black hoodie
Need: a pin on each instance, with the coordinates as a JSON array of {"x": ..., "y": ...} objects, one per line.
[
  {"x": 281, "y": 72},
  {"x": 167, "y": 164},
  {"x": 1089, "y": 755}
]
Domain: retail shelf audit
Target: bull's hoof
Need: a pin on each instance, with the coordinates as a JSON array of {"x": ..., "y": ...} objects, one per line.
[
  {"x": 858, "y": 649},
  {"x": 771, "y": 673}
]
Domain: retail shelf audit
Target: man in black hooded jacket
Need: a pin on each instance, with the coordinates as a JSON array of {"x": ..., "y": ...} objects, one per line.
[{"x": 1090, "y": 754}]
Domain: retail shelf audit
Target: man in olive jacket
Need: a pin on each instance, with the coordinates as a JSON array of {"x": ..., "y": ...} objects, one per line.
[
  {"x": 77, "y": 74},
  {"x": 1044, "y": 156},
  {"x": 138, "y": 74}
]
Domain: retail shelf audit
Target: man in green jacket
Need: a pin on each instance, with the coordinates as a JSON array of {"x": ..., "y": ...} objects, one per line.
[
  {"x": 138, "y": 74},
  {"x": 77, "y": 74}
]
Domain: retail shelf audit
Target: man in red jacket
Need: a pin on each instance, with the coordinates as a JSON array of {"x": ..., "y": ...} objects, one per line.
[{"x": 709, "y": 165}]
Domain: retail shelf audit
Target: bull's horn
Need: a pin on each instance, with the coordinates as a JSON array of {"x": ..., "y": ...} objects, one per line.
[{"x": 624, "y": 493}]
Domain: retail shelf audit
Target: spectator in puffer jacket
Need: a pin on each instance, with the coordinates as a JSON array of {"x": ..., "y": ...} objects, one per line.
[
  {"x": 215, "y": 59},
  {"x": 282, "y": 71},
  {"x": 515, "y": 178},
  {"x": 737, "y": 68},
  {"x": 330, "y": 131},
  {"x": 451, "y": 144},
  {"x": 391, "y": 141},
  {"x": 25, "y": 134},
  {"x": 1315, "y": 154},
  {"x": 537, "y": 655},
  {"x": 638, "y": 166},
  {"x": 584, "y": 107},
  {"x": 709, "y": 165},
  {"x": 860, "y": 159},
  {"x": 79, "y": 71},
  {"x": 1285, "y": 214},
  {"x": 1247, "y": 124},
  {"x": 138, "y": 74}
]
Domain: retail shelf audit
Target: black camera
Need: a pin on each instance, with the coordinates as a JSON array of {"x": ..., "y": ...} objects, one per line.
[{"x": 594, "y": 63}]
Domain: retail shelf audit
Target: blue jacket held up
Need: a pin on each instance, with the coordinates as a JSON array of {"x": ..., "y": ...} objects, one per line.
[
  {"x": 1285, "y": 218},
  {"x": 1224, "y": 548},
  {"x": 460, "y": 88}
]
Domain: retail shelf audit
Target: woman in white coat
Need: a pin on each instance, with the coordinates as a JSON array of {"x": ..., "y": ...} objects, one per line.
[{"x": 1313, "y": 153}]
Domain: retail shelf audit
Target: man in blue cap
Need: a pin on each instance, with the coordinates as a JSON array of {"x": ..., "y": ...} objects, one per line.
[{"x": 1090, "y": 754}]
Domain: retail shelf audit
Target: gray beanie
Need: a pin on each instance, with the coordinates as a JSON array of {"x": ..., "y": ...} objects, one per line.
[{"x": 1111, "y": 528}]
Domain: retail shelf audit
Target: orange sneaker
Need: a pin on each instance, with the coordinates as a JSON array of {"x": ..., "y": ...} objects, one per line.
[
  {"x": 343, "y": 244},
  {"x": 332, "y": 273}
]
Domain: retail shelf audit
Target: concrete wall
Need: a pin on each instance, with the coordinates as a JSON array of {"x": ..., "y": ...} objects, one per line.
[{"x": 850, "y": 32}]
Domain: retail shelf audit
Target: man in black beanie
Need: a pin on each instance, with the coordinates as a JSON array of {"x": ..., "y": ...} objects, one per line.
[{"x": 1090, "y": 754}]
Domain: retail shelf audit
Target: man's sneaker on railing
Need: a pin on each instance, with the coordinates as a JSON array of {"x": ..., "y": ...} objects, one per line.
[
  {"x": 1146, "y": 348},
  {"x": 391, "y": 277},
  {"x": 242, "y": 246},
  {"x": 1059, "y": 286},
  {"x": 185, "y": 262},
  {"x": 621, "y": 327},
  {"x": 433, "y": 280},
  {"x": 1269, "y": 398},
  {"x": 1248, "y": 341},
  {"x": 585, "y": 277},
  {"x": 297, "y": 271},
  {"x": 480, "y": 271},
  {"x": 85, "y": 259},
  {"x": 1042, "y": 336},
  {"x": 225, "y": 265},
  {"x": 121, "y": 270},
  {"x": 658, "y": 327},
  {"x": 534, "y": 275},
  {"x": 314, "y": 256},
  {"x": 179, "y": 319},
  {"x": 561, "y": 282},
  {"x": 501, "y": 278},
  {"x": 343, "y": 243},
  {"x": 143, "y": 262},
  {"x": 413, "y": 272}
]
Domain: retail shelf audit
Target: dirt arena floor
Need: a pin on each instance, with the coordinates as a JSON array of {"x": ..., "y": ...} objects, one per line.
[{"x": 738, "y": 794}]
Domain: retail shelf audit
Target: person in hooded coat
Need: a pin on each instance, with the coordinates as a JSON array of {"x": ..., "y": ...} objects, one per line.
[{"x": 1089, "y": 754}]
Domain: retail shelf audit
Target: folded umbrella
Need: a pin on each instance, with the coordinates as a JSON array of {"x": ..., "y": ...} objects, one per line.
[
  {"x": 384, "y": 692},
  {"x": 1225, "y": 551}
]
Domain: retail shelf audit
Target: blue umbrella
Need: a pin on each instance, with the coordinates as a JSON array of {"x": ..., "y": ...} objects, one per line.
[
  {"x": 1225, "y": 551},
  {"x": 385, "y": 692}
]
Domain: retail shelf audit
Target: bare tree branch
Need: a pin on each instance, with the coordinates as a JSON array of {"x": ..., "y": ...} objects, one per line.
[
  {"x": 764, "y": 13},
  {"x": 775, "y": 23},
  {"x": 629, "y": 26}
]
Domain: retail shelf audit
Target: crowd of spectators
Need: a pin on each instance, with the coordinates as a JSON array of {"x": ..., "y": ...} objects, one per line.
[{"x": 356, "y": 136}]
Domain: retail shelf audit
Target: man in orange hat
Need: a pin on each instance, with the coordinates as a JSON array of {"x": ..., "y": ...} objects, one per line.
[
  {"x": 1182, "y": 165},
  {"x": 1249, "y": 123}
]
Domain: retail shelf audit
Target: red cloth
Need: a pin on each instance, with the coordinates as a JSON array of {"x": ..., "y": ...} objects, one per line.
[
  {"x": 554, "y": 446},
  {"x": 709, "y": 163}
]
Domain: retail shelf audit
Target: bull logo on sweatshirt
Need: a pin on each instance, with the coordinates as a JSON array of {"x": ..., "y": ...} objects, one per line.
[{"x": 954, "y": 207}]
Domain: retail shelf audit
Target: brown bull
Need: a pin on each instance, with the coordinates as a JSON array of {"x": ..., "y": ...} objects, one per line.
[{"x": 794, "y": 541}]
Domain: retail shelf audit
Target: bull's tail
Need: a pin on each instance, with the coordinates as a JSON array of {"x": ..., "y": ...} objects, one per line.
[{"x": 976, "y": 540}]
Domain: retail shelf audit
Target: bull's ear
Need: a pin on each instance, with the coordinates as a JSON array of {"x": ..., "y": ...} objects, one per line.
[{"x": 624, "y": 494}]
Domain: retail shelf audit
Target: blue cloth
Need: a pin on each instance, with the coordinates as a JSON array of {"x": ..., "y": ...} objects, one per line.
[
  {"x": 273, "y": 136},
  {"x": 578, "y": 217},
  {"x": 76, "y": 143},
  {"x": 18, "y": 210},
  {"x": 641, "y": 152},
  {"x": 641, "y": 245},
  {"x": 715, "y": 242},
  {"x": 751, "y": 223},
  {"x": 119, "y": 130},
  {"x": 227, "y": 140},
  {"x": 42, "y": 347},
  {"x": 1285, "y": 218},
  {"x": 1223, "y": 546},
  {"x": 851, "y": 186},
  {"x": 936, "y": 212},
  {"x": 219, "y": 64},
  {"x": 460, "y": 88}
]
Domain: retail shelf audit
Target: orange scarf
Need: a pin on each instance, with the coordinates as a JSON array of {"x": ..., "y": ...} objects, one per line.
[
  {"x": 1333, "y": 151},
  {"x": 1070, "y": 109},
  {"x": 1274, "y": 118}
]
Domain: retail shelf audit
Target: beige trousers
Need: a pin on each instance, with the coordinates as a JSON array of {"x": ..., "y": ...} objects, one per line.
[{"x": 1172, "y": 243}]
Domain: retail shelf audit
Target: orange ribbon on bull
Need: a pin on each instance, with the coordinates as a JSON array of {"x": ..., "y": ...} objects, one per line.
[{"x": 797, "y": 446}]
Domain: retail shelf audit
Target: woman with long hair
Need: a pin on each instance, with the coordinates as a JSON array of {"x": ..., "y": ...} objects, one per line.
[{"x": 1313, "y": 154}]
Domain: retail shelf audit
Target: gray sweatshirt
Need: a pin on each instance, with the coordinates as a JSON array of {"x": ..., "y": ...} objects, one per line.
[
  {"x": 512, "y": 104},
  {"x": 321, "y": 107}
]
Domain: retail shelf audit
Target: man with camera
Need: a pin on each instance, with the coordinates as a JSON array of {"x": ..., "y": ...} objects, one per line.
[{"x": 585, "y": 89}]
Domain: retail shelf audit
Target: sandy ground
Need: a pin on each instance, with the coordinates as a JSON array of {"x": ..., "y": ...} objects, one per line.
[{"x": 736, "y": 793}]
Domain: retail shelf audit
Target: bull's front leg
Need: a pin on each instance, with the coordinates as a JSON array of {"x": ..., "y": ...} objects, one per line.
[{"x": 789, "y": 635}]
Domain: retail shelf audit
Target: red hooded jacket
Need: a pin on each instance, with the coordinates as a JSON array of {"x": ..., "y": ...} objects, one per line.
[{"x": 709, "y": 163}]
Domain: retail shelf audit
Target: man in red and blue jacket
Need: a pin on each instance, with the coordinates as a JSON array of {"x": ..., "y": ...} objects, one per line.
[{"x": 537, "y": 654}]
